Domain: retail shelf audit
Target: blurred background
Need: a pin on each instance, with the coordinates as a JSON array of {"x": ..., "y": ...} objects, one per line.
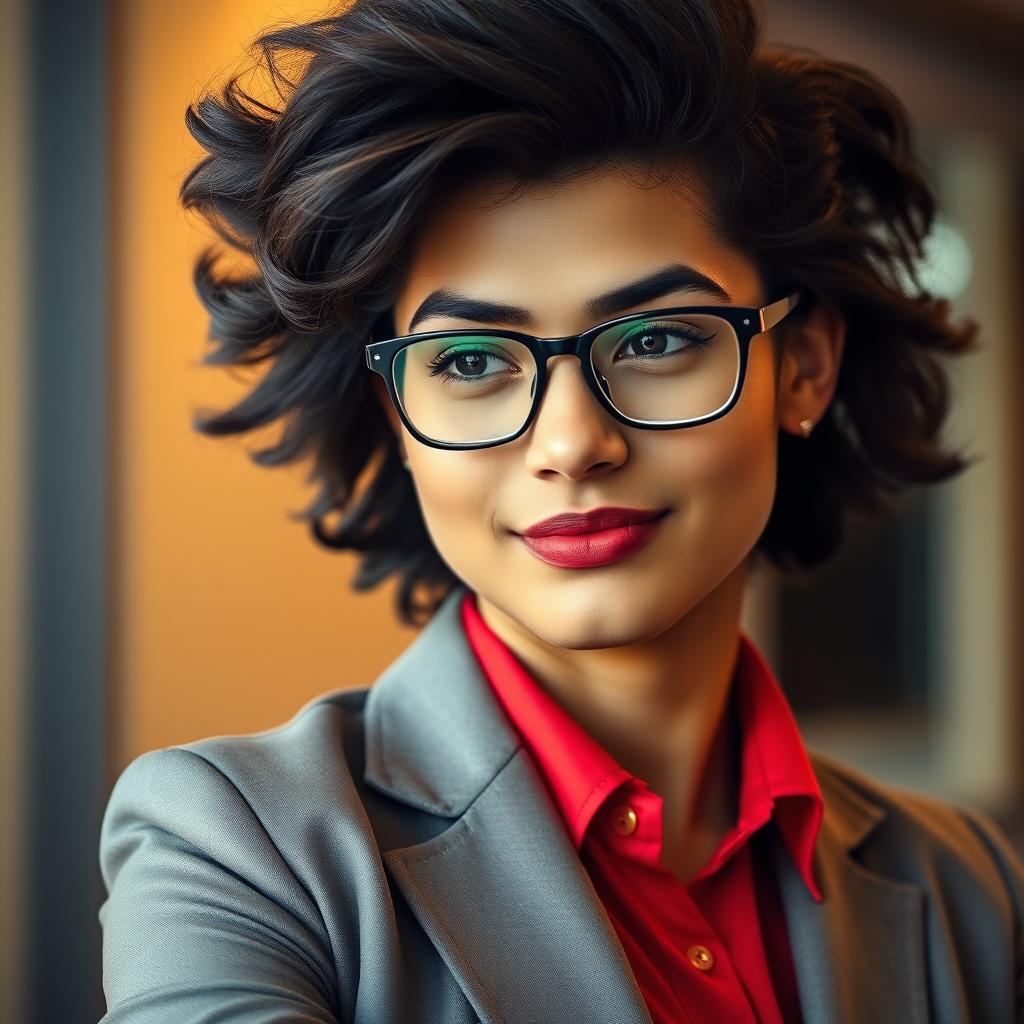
[{"x": 154, "y": 589}]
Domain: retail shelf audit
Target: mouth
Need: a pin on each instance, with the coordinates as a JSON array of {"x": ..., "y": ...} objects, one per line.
[
  {"x": 609, "y": 517},
  {"x": 576, "y": 547}
]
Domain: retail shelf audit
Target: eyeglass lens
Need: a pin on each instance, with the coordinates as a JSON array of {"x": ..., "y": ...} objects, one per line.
[{"x": 472, "y": 389}]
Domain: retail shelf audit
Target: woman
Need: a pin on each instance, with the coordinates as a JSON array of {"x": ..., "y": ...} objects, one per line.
[{"x": 587, "y": 309}]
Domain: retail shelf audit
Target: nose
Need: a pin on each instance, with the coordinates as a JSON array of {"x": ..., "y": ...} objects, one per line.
[{"x": 572, "y": 435}]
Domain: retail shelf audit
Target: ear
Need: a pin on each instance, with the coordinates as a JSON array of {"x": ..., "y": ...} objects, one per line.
[
  {"x": 381, "y": 391},
  {"x": 812, "y": 351}
]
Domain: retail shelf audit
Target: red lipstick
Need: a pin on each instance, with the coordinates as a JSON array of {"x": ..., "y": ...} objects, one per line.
[{"x": 582, "y": 540}]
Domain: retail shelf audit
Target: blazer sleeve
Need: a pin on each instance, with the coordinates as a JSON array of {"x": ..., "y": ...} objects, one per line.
[
  {"x": 1012, "y": 869},
  {"x": 203, "y": 918}
]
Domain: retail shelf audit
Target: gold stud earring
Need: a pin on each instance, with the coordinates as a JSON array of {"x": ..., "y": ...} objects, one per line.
[{"x": 806, "y": 426}]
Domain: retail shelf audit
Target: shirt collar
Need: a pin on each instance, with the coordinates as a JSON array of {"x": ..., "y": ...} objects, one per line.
[{"x": 776, "y": 777}]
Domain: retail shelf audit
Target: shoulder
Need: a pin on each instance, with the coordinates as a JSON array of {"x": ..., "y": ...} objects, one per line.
[
  {"x": 320, "y": 745},
  {"x": 327, "y": 728},
  {"x": 235, "y": 868},
  {"x": 230, "y": 785},
  {"x": 924, "y": 837}
]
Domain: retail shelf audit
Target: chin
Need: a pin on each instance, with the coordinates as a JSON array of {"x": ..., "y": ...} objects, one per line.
[{"x": 592, "y": 621}]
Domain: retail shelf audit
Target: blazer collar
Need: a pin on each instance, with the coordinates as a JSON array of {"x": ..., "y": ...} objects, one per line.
[
  {"x": 437, "y": 739},
  {"x": 436, "y": 735}
]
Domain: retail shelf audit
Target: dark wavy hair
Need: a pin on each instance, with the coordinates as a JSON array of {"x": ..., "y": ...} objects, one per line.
[{"x": 385, "y": 104}]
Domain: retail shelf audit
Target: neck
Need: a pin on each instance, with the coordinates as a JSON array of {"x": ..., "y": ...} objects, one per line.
[{"x": 658, "y": 707}]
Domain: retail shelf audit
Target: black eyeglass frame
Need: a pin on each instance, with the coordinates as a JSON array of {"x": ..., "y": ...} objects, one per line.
[{"x": 747, "y": 322}]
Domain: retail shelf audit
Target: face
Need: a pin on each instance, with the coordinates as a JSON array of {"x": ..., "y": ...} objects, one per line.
[{"x": 549, "y": 251}]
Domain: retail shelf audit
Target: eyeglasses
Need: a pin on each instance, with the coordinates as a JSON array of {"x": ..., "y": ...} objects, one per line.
[{"x": 663, "y": 369}]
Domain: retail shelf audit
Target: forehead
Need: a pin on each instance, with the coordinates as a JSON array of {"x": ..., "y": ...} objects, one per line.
[{"x": 551, "y": 246}]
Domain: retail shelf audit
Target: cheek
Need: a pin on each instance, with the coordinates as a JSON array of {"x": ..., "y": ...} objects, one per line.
[
  {"x": 727, "y": 471},
  {"x": 456, "y": 496}
]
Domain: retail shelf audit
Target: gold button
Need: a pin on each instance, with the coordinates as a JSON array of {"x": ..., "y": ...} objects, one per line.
[
  {"x": 625, "y": 820},
  {"x": 701, "y": 957}
]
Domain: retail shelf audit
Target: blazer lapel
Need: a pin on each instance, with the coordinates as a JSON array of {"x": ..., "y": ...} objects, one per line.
[
  {"x": 502, "y": 893},
  {"x": 859, "y": 954}
]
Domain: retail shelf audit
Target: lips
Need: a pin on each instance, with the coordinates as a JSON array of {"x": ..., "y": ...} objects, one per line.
[
  {"x": 572, "y": 524},
  {"x": 591, "y": 549}
]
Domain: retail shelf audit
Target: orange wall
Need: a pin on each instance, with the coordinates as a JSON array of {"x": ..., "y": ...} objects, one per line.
[{"x": 227, "y": 615}]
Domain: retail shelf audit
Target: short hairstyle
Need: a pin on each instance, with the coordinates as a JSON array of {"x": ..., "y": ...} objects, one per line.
[{"x": 385, "y": 104}]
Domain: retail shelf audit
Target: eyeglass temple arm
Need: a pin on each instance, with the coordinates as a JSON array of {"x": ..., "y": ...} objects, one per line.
[{"x": 775, "y": 311}]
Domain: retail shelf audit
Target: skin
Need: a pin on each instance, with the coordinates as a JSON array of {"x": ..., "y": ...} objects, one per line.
[{"x": 641, "y": 652}]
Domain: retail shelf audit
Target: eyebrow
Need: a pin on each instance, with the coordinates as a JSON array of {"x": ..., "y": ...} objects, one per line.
[{"x": 676, "y": 277}]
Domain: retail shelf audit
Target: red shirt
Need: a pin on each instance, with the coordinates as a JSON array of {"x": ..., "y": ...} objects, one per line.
[{"x": 715, "y": 949}]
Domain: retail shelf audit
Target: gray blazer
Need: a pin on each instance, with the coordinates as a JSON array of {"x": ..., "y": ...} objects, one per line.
[{"x": 391, "y": 854}]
